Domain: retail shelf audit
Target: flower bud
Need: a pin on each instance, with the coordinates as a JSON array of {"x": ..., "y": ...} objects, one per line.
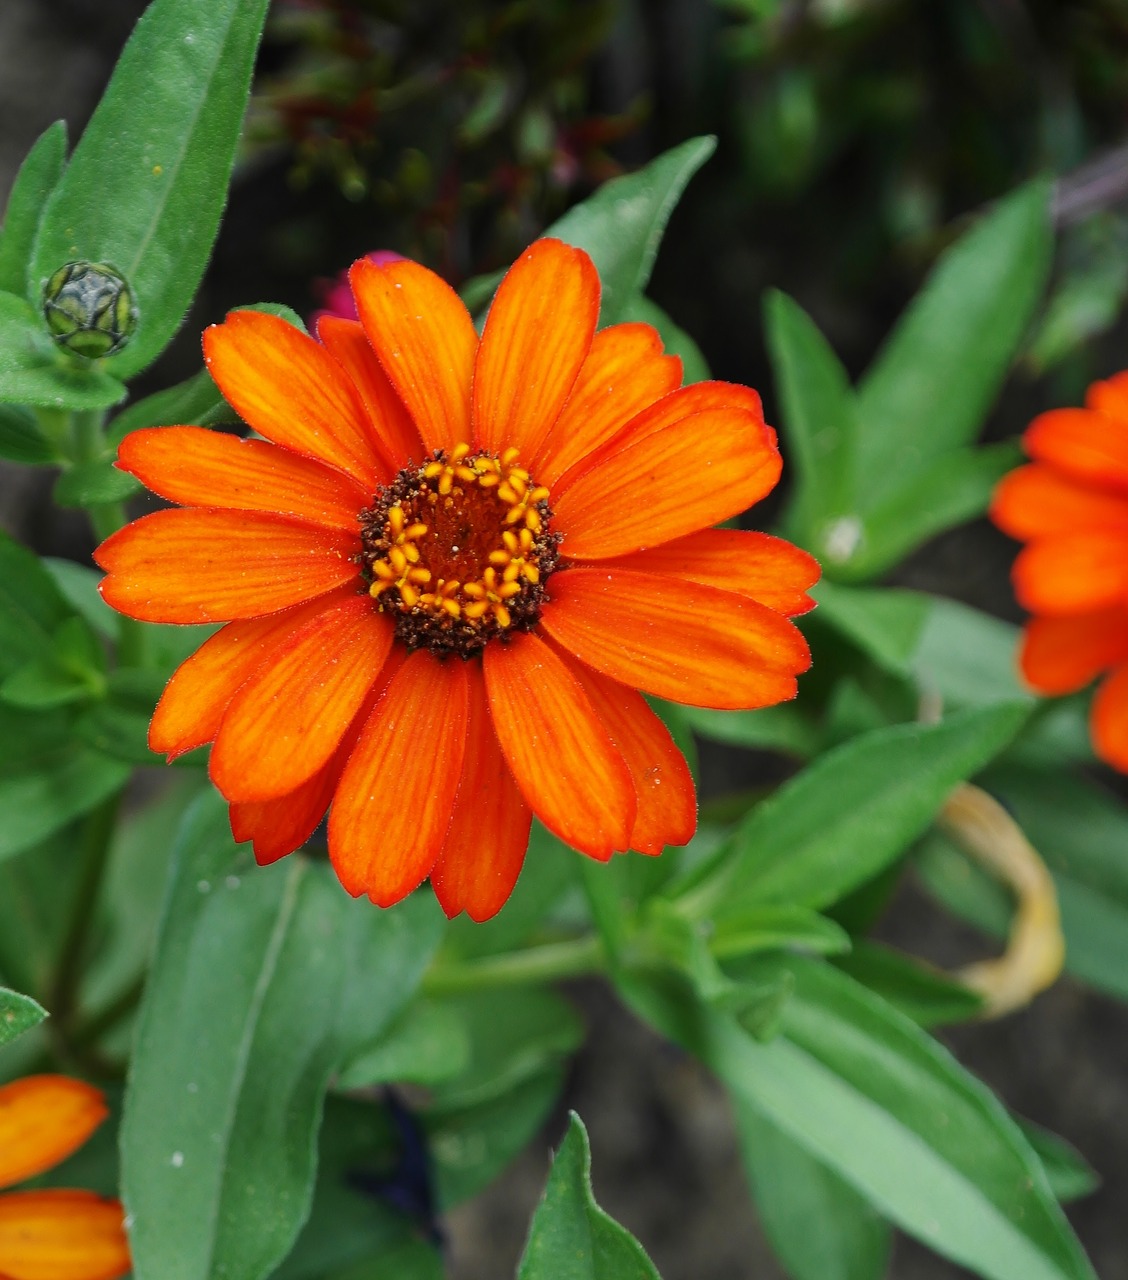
[{"x": 89, "y": 309}]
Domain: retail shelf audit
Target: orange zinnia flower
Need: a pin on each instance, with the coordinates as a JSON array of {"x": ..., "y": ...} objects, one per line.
[
  {"x": 450, "y": 572},
  {"x": 1071, "y": 505},
  {"x": 53, "y": 1235}
]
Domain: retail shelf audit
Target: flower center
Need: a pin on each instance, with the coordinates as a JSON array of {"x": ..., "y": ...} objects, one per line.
[{"x": 457, "y": 550}]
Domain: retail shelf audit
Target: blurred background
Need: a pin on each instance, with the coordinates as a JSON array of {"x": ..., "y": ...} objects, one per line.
[{"x": 856, "y": 137}]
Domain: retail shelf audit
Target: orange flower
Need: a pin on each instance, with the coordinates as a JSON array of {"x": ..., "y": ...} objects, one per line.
[
  {"x": 449, "y": 573},
  {"x": 53, "y": 1235},
  {"x": 1071, "y": 506}
]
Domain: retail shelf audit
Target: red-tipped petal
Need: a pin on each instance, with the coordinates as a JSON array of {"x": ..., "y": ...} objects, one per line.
[
  {"x": 43, "y": 1119},
  {"x": 426, "y": 343},
  {"x": 766, "y": 569},
  {"x": 292, "y": 391},
  {"x": 197, "y": 467},
  {"x": 195, "y": 565},
  {"x": 393, "y": 805},
  {"x": 485, "y": 844},
  {"x": 537, "y": 336},
  {"x": 667, "y": 800},
  {"x": 676, "y": 640},
  {"x": 561, "y": 755},
  {"x": 289, "y": 717}
]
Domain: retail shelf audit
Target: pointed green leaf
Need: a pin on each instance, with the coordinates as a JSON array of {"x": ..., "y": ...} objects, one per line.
[
  {"x": 31, "y": 606},
  {"x": 1069, "y": 1174},
  {"x": 196, "y": 401},
  {"x": 90, "y": 483},
  {"x": 78, "y": 585},
  {"x": 21, "y": 440},
  {"x": 147, "y": 183},
  {"x": 37, "y": 178},
  {"x": 33, "y": 371},
  {"x": 919, "y": 991},
  {"x": 264, "y": 981},
  {"x": 968, "y": 657},
  {"x": 675, "y": 339},
  {"x": 621, "y": 225},
  {"x": 885, "y": 623},
  {"x": 933, "y": 382},
  {"x": 571, "y": 1238},
  {"x": 17, "y": 1014}
]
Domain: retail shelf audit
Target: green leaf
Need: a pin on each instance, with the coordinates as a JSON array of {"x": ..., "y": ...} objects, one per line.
[
  {"x": 571, "y": 1238},
  {"x": 21, "y": 440},
  {"x": 621, "y": 225},
  {"x": 819, "y": 418},
  {"x": 857, "y": 808},
  {"x": 31, "y": 606},
  {"x": 874, "y": 1098},
  {"x": 968, "y": 657},
  {"x": 1068, "y": 1172},
  {"x": 819, "y": 1227},
  {"x": 147, "y": 183},
  {"x": 33, "y": 371},
  {"x": 196, "y": 401},
  {"x": 770, "y": 928},
  {"x": 427, "y": 1044},
  {"x": 675, "y": 339},
  {"x": 955, "y": 488},
  {"x": 118, "y": 724},
  {"x": 78, "y": 585},
  {"x": 931, "y": 385},
  {"x": 920, "y": 992},
  {"x": 885, "y": 623},
  {"x": 71, "y": 669},
  {"x": 37, "y": 178},
  {"x": 782, "y": 728},
  {"x": 90, "y": 483},
  {"x": 264, "y": 981},
  {"x": 17, "y": 1014}
]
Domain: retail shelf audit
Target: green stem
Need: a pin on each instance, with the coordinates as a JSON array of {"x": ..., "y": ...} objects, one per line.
[
  {"x": 549, "y": 963},
  {"x": 97, "y": 835}
]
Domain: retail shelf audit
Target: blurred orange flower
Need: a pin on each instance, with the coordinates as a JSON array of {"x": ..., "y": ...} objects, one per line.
[
  {"x": 448, "y": 571},
  {"x": 53, "y": 1234},
  {"x": 1071, "y": 506}
]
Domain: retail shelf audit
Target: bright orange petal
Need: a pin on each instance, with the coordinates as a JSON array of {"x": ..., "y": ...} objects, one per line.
[
  {"x": 1109, "y": 720},
  {"x": 485, "y": 844},
  {"x": 393, "y": 805},
  {"x": 766, "y": 569},
  {"x": 683, "y": 479},
  {"x": 561, "y": 755},
  {"x": 62, "y": 1235},
  {"x": 1061, "y": 655},
  {"x": 194, "y": 700},
  {"x": 1038, "y": 499},
  {"x": 390, "y": 419},
  {"x": 624, "y": 373},
  {"x": 1087, "y": 445},
  {"x": 1110, "y": 398},
  {"x": 197, "y": 467},
  {"x": 425, "y": 341},
  {"x": 701, "y": 397},
  {"x": 1074, "y": 573},
  {"x": 667, "y": 801},
  {"x": 42, "y": 1120},
  {"x": 676, "y": 640},
  {"x": 195, "y": 565},
  {"x": 289, "y": 717},
  {"x": 537, "y": 335},
  {"x": 291, "y": 390}
]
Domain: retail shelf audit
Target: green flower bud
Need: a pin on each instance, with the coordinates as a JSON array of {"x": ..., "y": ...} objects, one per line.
[{"x": 89, "y": 309}]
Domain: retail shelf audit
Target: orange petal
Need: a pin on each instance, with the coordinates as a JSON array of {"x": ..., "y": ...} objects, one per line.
[
  {"x": 291, "y": 390},
  {"x": 61, "y": 1235},
  {"x": 689, "y": 476},
  {"x": 197, "y": 467},
  {"x": 1038, "y": 499},
  {"x": 1110, "y": 398},
  {"x": 195, "y": 565},
  {"x": 485, "y": 845},
  {"x": 1109, "y": 720},
  {"x": 537, "y": 334},
  {"x": 42, "y": 1120},
  {"x": 667, "y": 801},
  {"x": 390, "y": 419},
  {"x": 676, "y": 640},
  {"x": 194, "y": 700},
  {"x": 1087, "y": 445},
  {"x": 393, "y": 805},
  {"x": 425, "y": 341},
  {"x": 1061, "y": 655},
  {"x": 563, "y": 758},
  {"x": 624, "y": 373},
  {"x": 766, "y": 569},
  {"x": 278, "y": 827},
  {"x": 1074, "y": 573},
  {"x": 289, "y": 717},
  {"x": 701, "y": 397}
]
